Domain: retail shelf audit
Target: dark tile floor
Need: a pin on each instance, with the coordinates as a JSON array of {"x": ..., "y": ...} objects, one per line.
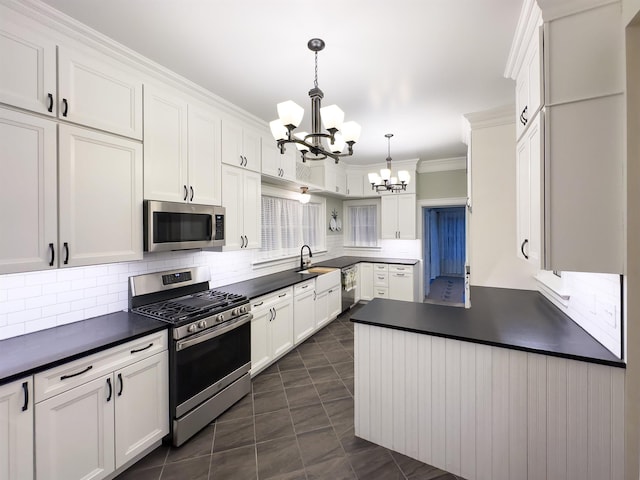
[{"x": 297, "y": 423}]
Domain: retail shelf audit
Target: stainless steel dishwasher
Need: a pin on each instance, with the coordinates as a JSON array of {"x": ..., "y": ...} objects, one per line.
[{"x": 349, "y": 286}]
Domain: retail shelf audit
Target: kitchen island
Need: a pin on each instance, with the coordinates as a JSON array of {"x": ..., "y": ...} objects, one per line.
[{"x": 511, "y": 388}]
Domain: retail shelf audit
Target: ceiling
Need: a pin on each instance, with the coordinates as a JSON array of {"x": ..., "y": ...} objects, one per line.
[{"x": 407, "y": 67}]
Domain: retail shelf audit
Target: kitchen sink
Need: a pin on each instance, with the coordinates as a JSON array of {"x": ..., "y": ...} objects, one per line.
[{"x": 319, "y": 270}]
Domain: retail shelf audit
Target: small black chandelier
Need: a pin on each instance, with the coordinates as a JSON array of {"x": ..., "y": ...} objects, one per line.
[
  {"x": 384, "y": 182},
  {"x": 340, "y": 133}
]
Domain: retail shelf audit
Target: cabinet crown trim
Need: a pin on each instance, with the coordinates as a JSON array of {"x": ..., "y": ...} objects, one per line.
[{"x": 530, "y": 19}]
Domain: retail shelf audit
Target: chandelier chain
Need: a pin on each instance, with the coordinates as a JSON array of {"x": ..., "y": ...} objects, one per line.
[{"x": 315, "y": 82}]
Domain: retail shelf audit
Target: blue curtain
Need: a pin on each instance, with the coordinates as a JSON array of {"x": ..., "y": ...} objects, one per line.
[
  {"x": 451, "y": 238},
  {"x": 434, "y": 244}
]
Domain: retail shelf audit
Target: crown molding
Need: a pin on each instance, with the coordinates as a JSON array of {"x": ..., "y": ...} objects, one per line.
[
  {"x": 491, "y": 118},
  {"x": 410, "y": 165},
  {"x": 528, "y": 22},
  {"x": 553, "y": 10},
  {"x": 443, "y": 165},
  {"x": 64, "y": 26}
]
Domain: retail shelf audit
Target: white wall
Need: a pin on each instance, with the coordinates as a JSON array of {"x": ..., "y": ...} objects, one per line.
[{"x": 492, "y": 223}]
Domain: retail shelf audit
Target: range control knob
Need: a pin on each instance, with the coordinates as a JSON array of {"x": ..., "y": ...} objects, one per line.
[
  {"x": 234, "y": 312},
  {"x": 243, "y": 309},
  {"x": 220, "y": 318},
  {"x": 202, "y": 324},
  {"x": 191, "y": 328}
]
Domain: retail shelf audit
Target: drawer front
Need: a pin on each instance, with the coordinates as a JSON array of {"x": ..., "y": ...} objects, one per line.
[
  {"x": 407, "y": 269},
  {"x": 380, "y": 279},
  {"x": 381, "y": 292},
  {"x": 265, "y": 300},
  {"x": 72, "y": 374},
  {"x": 304, "y": 287},
  {"x": 380, "y": 268}
]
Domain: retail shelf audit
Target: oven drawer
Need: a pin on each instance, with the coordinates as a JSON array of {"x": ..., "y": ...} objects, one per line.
[{"x": 71, "y": 374}]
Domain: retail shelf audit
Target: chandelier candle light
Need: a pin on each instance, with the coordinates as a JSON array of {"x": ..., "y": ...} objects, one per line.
[
  {"x": 385, "y": 182},
  {"x": 339, "y": 134}
]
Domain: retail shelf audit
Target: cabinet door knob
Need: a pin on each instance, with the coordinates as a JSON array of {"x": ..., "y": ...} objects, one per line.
[
  {"x": 522, "y": 249},
  {"x": 50, "y": 98},
  {"x": 65, "y": 107}
]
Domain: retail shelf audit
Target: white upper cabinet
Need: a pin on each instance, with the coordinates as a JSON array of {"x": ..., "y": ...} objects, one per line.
[
  {"x": 241, "y": 190},
  {"x": 100, "y": 198},
  {"x": 398, "y": 216},
  {"x": 355, "y": 184},
  {"x": 28, "y": 192},
  {"x": 31, "y": 61},
  {"x": 529, "y": 191},
  {"x": 240, "y": 145},
  {"x": 276, "y": 164},
  {"x": 95, "y": 91},
  {"x": 529, "y": 84},
  {"x": 204, "y": 166},
  {"x": 182, "y": 149}
]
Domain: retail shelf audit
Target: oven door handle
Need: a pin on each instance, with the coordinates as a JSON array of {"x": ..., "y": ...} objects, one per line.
[{"x": 216, "y": 332}]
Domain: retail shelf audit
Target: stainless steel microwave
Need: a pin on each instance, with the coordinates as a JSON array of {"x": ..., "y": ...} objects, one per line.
[{"x": 182, "y": 226}]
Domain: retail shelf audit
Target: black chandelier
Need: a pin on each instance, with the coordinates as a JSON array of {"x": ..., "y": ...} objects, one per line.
[
  {"x": 340, "y": 133},
  {"x": 384, "y": 182}
]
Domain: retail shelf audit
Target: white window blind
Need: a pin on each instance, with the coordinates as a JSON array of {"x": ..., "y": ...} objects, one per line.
[
  {"x": 287, "y": 225},
  {"x": 362, "y": 221}
]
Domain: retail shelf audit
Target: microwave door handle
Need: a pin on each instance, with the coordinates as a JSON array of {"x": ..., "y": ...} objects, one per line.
[{"x": 211, "y": 227}]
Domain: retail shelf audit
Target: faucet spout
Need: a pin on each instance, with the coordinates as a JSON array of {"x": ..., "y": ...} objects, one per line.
[{"x": 301, "y": 255}]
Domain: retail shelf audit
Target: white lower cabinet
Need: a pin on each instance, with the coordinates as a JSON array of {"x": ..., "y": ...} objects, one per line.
[
  {"x": 328, "y": 304},
  {"x": 366, "y": 281},
  {"x": 87, "y": 427},
  {"x": 401, "y": 285},
  {"x": 381, "y": 280},
  {"x": 304, "y": 320},
  {"x": 16, "y": 430},
  {"x": 271, "y": 328}
]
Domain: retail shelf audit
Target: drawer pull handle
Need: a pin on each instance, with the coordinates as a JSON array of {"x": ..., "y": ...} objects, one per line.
[
  {"x": 64, "y": 377},
  {"x": 258, "y": 304},
  {"x": 25, "y": 388},
  {"x": 305, "y": 286},
  {"x": 53, "y": 254},
  {"x": 110, "y": 389},
  {"x": 282, "y": 295},
  {"x": 143, "y": 348},
  {"x": 50, "y": 107},
  {"x": 121, "y": 384}
]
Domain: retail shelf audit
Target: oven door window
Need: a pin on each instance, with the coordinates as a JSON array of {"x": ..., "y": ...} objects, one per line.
[
  {"x": 172, "y": 227},
  {"x": 200, "y": 366}
]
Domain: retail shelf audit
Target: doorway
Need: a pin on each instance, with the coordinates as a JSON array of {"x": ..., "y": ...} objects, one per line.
[{"x": 445, "y": 255}]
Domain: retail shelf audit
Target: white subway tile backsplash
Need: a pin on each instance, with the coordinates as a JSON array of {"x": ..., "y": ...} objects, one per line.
[
  {"x": 96, "y": 291},
  {"x": 40, "y": 278},
  {"x": 12, "y": 281},
  {"x": 83, "y": 304},
  {"x": 106, "y": 280},
  {"x": 83, "y": 283},
  {"x": 96, "y": 311},
  {"x": 24, "y": 316},
  {"x": 70, "y": 274},
  {"x": 62, "y": 286},
  {"x": 3, "y": 319},
  {"x": 11, "y": 331},
  {"x": 117, "y": 268},
  {"x": 70, "y": 296},
  {"x": 24, "y": 292},
  {"x": 106, "y": 299},
  {"x": 56, "y": 309},
  {"x": 11, "y": 306},
  {"x": 117, "y": 307},
  {"x": 41, "y": 301},
  {"x": 70, "y": 317}
]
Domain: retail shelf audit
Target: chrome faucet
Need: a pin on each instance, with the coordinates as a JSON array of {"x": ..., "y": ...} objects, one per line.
[{"x": 301, "y": 252}]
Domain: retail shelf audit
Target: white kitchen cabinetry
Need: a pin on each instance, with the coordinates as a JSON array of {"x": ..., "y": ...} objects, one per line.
[
  {"x": 276, "y": 164},
  {"x": 240, "y": 146},
  {"x": 16, "y": 430},
  {"x": 89, "y": 211},
  {"x": 528, "y": 191},
  {"x": 304, "y": 320},
  {"x": 328, "y": 298},
  {"x": 182, "y": 149},
  {"x": 96, "y": 413},
  {"x": 31, "y": 61},
  {"x": 28, "y": 145},
  {"x": 271, "y": 328},
  {"x": 241, "y": 191},
  {"x": 92, "y": 89},
  {"x": 400, "y": 281},
  {"x": 529, "y": 83},
  {"x": 355, "y": 184},
  {"x": 398, "y": 216},
  {"x": 366, "y": 281},
  {"x": 100, "y": 198},
  {"x": 95, "y": 91},
  {"x": 331, "y": 177},
  {"x": 380, "y": 280}
]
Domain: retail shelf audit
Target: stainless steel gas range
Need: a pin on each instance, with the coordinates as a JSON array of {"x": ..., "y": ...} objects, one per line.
[{"x": 210, "y": 347}]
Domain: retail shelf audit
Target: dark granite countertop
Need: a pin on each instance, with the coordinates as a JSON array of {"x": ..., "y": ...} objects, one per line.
[
  {"x": 256, "y": 287},
  {"x": 516, "y": 319},
  {"x": 34, "y": 352},
  {"x": 342, "y": 262}
]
